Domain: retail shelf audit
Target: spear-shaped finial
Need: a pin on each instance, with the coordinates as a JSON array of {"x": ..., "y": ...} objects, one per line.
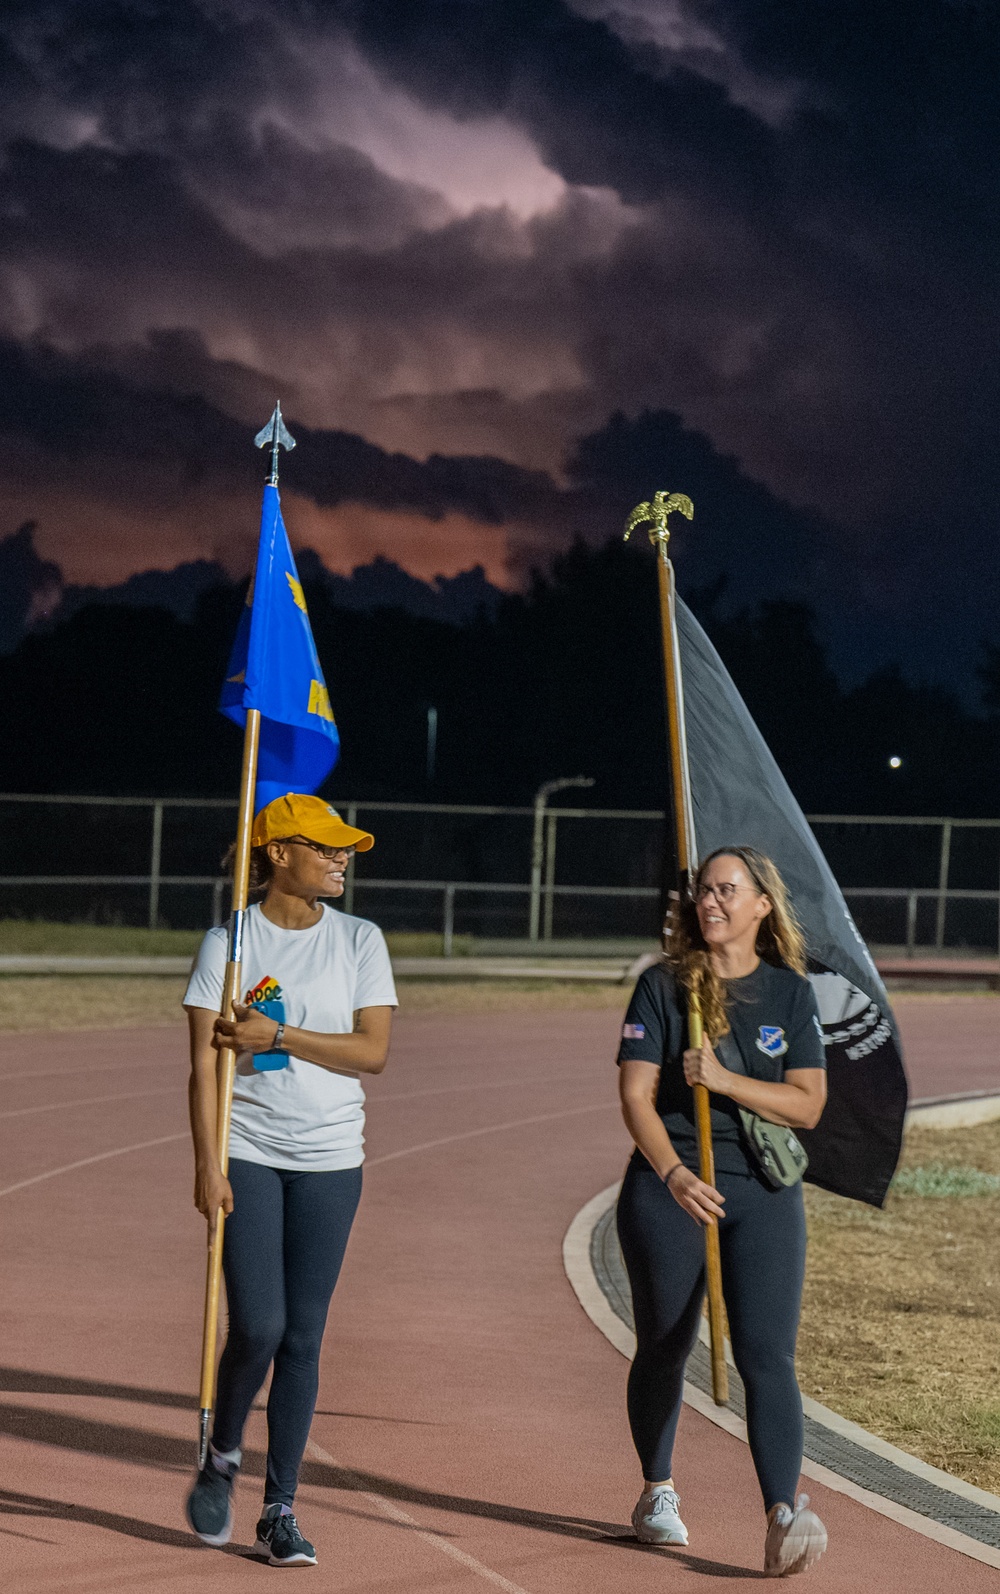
[
  {"x": 276, "y": 435},
  {"x": 662, "y": 505}
]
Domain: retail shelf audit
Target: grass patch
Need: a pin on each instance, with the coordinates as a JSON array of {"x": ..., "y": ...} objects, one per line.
[
  {"x": 98, "y": 1001},
  {"x": 89, "y": 1001},
  {"x": 38, "y": 938},
  {"x": 942, "y": 1182},
  {"x": 508, "y": 996},
  {"x": 420, "y": 944},
  {"x": 901, "y": 1310}
]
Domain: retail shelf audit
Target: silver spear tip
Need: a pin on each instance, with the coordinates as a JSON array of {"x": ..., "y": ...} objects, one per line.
[{"x": 275, "y": 433}]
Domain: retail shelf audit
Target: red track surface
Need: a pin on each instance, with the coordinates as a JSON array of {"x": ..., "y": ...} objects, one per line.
[{"x": 479, "y": 1412}]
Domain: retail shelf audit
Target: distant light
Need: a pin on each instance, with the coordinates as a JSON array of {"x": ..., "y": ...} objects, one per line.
[{"x": 895, "y": 762}]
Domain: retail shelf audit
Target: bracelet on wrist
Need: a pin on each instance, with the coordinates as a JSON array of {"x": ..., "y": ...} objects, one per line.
[
  {"x": 279, "y": 1038},
  {"x": 670, "y": 1173}
]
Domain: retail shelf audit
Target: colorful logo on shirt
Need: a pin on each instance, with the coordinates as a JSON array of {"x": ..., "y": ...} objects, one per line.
[
  {"x": 634, "y": 1032},
  {"x": 771, "y": 1041},
  {"x": 266, "y": 990},
  {"x": 266, "y": 997}
]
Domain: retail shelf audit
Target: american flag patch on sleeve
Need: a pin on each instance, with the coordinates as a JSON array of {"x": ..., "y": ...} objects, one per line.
[{"x": 634, "y": 1032}]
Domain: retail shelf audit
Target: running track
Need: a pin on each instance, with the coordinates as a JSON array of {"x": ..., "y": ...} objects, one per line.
[{"x": 471, "y": 1429}]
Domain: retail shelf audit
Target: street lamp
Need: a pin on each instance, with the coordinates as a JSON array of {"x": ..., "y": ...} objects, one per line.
[{"x": 542, "y": 796}]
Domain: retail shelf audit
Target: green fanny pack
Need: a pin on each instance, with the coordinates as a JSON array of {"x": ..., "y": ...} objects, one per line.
[{"x": 777, "y": 1151}]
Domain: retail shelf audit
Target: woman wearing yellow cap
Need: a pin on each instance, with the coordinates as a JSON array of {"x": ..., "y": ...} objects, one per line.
[{"x": 316, "y": 1014}]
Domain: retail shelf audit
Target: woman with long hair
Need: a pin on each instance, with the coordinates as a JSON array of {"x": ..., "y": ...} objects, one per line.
[
  {"x": 736, "y": 947},
  {"x": 314, "y": 1020}
]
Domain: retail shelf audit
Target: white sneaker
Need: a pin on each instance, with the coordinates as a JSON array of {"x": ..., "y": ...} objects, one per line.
[
  {"x": 795, "y": 1539},
  {"x": 656, "y": 1517}
]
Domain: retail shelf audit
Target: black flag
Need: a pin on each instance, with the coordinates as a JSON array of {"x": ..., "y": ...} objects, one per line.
[{"x": 740, "y": 797}]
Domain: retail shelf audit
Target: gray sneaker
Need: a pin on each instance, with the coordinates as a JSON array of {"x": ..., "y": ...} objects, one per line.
[
  {"x": 657, "y": 1519},
  {"x": 795, "y": 1539},
  {"x": 280, "y": 1540}
]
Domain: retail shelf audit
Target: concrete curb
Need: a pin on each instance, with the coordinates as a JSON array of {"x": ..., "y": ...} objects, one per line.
[
  {"x": 579, "y": 1267},
  {"x": 954, "y": 1112}
]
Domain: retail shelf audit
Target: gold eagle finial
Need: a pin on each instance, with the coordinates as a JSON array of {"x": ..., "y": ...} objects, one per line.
[{"x": 656, "y": 511}]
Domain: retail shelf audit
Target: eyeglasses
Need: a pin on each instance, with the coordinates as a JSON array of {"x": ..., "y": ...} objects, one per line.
[
  {"x": 321, "y": 848},
  {"x": 722, "y": 893}
]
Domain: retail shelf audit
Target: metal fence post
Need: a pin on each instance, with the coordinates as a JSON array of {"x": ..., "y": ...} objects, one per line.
[
  {"x": 550, "y": 875},
  {"x": 154, "y": 866},
  {"x": 537, "y": 850},
  {"x": 942, "y": 901},
  {"x": 911, "y": 923},
  {"x": 448, "y": 932},
  {"x": 218, "y": 888},
  {"x": 352, "y": 820}
]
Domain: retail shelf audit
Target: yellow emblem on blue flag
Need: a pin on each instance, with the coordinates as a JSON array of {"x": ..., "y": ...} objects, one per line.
[{"x": 274, "y": 667}]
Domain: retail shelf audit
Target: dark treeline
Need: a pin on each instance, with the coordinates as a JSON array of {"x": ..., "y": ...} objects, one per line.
[{"x": 563, "y": 680}]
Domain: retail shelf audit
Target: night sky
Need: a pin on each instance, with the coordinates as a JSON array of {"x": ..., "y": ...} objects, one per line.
[{"x": 743, "y": 249}]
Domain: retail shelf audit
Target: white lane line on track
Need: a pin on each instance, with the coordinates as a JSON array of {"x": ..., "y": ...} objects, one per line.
[
  {"x": 372, "y": 1162},
  {"x": 389, "y": 1509},
  {"x": 89, "y": 1101},
  {"x": 373, "y": 1101},
  {"x": 28, "y": 1075},
  {"x": 482, "y": 1084},
  {"x": 490, "y": 1129},
  {"x": 86, "y": 1162}
]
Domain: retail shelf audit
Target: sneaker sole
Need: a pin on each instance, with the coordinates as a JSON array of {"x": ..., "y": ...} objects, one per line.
[{"x": 264, "y": 1552}]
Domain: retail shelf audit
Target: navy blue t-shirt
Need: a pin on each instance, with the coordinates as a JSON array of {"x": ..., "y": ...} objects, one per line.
[{"x": 774, "y": 1026}]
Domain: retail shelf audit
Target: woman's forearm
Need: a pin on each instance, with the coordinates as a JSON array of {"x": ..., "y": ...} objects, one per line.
[
  {"x": 649, "y": 1132},
  {"x": 356, "y": 1053},
  {"x": 794, "y": 1106},
  {"x": 203, "y": 1112}
]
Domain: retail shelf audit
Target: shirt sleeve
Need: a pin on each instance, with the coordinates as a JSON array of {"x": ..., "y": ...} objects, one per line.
[
  {"x": 805, "y": 1032},
  {"x": 208, "y": 976},
  {"x": 374, "y": 986},
  {"x": 645, "y": 1030}
]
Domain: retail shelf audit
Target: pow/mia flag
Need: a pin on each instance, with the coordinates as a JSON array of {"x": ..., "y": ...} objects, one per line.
[{"x": 740, "y": 797}]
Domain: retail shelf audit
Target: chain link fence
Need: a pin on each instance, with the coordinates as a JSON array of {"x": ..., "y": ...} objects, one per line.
[{"x": 545, "y": 873}]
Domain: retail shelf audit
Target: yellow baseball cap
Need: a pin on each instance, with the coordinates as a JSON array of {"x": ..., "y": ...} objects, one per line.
[{"x": 296, "y": 815}]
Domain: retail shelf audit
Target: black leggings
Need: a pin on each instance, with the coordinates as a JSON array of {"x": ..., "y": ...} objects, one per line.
[
  {"x": 283, "y": 1248},
  {"x": 763, "y": 1244}
]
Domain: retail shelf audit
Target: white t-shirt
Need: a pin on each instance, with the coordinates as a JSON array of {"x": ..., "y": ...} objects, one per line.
[{"x": 302, "y": 1116}]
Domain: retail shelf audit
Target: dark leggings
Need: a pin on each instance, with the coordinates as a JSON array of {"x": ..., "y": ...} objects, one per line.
[
  {"x": 283, "y": 1248},
  {"x": 763, "y": 1244}
]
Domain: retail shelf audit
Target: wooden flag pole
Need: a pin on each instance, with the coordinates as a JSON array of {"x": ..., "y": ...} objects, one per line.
[
  {"x": 657, "y": 512},
  {"x": 274, "y": 435},
  {"x": 226, "y": 1073}
]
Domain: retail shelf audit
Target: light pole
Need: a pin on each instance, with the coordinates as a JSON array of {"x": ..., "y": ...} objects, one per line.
[
  {"x": 432, "y": 737},
  {"x": 542, "y": 796}
]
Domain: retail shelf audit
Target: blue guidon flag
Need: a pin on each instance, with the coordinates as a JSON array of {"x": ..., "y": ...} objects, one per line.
[
  {"x": 274, "y": 667},
  {"x": 740, "y": 797}
]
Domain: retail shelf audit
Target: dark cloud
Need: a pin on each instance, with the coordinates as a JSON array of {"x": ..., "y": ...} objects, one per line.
[
  {"x": 30, "y": 586},
  {"x": 63, "y": 413},
  {"x": 779, "y": 223},
  {"x": 56, "y": 406}
]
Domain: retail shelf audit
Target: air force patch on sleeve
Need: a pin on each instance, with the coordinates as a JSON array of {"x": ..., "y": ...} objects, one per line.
[{"x": 771, "y": 1041}]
